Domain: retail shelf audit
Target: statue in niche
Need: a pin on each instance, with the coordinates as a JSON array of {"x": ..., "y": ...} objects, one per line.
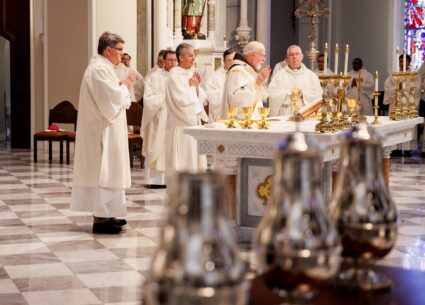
[{"x": 192, "y": 12}]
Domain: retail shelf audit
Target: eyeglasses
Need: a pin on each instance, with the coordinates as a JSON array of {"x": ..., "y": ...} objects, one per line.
[{"x": 119, "y": 49}]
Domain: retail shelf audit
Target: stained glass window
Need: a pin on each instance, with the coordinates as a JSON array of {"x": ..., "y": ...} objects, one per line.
[{"x": 414, "y": 30}]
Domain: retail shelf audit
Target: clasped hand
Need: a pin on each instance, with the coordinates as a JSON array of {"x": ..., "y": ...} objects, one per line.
[
  {"x": 129, "y": 81},
  {"x": 195, "y": 80}
]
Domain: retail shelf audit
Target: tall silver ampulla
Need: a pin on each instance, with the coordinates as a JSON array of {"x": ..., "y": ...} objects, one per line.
[
  {"x": 197, "y": 262},
  {"x": 296, "y": 243},
  {"x": 362, "y": 207}
]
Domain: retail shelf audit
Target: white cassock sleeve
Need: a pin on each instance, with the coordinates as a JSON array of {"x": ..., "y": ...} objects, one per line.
[
  {"x": 314, "y": 91},
  {"x": 279, "y": 94},
  {"x": 240, "y": 89},
  {"x": 185, "y": 102},
  {"x": 153, "y": 98},
  {"x": 139, "y": 86},
  {"x": 111, "y": 97},
  {"x": 367, "y": 86},
  {"x": 389, "y": 91},
  {"x": 214, "y": 90}
]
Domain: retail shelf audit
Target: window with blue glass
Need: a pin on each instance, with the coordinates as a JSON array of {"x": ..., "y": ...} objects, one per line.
[{"x": 414, "y": 30}]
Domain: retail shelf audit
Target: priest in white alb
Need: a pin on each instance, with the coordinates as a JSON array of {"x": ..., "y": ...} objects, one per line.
[
  {"x": 361, "y": 86},
  {"x": 214, "y": 86},
  {"x": 246, "y": 80},
  {"x": 101, "y": 161},
  {"x": 154, "y": 122},
  {"x": 295, "y": 76},
  {"x": 184, "y": 99}
]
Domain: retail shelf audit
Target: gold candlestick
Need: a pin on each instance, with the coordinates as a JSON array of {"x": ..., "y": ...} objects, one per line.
[
  {"x": 395, "y": 114},
  {"x": 412, "y": 108},
  {"x": 376, "y": 107}
]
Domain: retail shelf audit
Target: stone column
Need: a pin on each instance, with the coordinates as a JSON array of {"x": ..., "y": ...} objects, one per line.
[
  {"x": 178, "y": 36},
  {"x": 211, "y": 20},
  {"x": 160, "y": 27},
  {"x": 143, "y": 36},
  {"x": 243, "y": 30}
]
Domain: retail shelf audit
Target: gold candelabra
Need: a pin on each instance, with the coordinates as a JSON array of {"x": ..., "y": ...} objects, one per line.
[{"x": 412, "y": 108}]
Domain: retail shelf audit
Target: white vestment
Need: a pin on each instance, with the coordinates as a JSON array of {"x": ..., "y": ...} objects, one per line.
[
  {"x": 184, "y": 108},
  {"x": 287, "y": 79},
  {"x": 154, "y": 127},
  {"x": 155, "y": 68},
  {"x": 122, "y": 73},
  {"x": 101, "y": 162},
  {"x": 365, "y": 94},
  {"x": 214, "y": 88},
  {"x": 279, "y": 66},
  {"x": 389, "y": 93},
  {"x": 241, "y": 89}
]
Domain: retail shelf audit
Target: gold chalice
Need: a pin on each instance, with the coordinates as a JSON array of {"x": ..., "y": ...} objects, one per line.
[
  {"x": 352, "y": 104},
  {"x": 231, "y": 113},
  {"x": 263, "y": 112},
  {"x": 246, "y": 122}
]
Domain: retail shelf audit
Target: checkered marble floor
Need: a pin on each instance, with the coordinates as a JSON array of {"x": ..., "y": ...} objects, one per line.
[{"x": 48, "y": 254}]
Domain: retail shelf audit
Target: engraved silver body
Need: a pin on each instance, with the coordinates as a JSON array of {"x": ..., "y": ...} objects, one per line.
[
  {"x": 363, "y": 210},
  {"x": 296, "y": 242},
  {"x": 197, "y": 261}
]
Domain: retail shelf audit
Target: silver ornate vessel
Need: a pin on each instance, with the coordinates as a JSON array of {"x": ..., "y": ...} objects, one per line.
[
  {"x": 197, "y": 262},
  {"x": 365, "y": 215},
  {"x": 296, "y": 243}
]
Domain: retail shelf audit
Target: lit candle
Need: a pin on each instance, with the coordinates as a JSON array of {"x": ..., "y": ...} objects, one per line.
[
  {"x": 336, "y": 59},
  {"x": 376, "y": 81},
  {"x": 325, "y": 69},
  {"x": 404, "y": 60},
  {"x": 347, "y": 50},
  {"x": 397, "y": 55}
]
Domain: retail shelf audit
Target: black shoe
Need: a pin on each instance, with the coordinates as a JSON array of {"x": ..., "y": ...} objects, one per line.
[
  {"x": 118, "y": 222},
  {"x": 106, "y": 227},
  {"x": 396, "y": 153},
  {"x": 155, "y": 186}
]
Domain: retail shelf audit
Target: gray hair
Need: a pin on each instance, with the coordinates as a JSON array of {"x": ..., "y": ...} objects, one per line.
[
  {"x": 252, "y": 47},
  {"x": 181, "y": 48},
  {"x": 108, "y": 39},
  {"x": 293, "y": 46}
]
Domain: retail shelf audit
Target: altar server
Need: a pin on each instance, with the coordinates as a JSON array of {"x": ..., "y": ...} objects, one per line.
[
  {"x": 184, "y": 99},
  {"x": 295, "y": 76},
  {"x": 361, "y": 86},
  {"x": 214, "y": 86},
  {"x": 101, "y": 162},
  {"x": 154, "y": 122}
]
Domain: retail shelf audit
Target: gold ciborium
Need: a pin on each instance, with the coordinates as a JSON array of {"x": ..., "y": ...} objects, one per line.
[
  {"x": 231, "y": 113},
  {"x": 354, "y": 115},
  {"x": 263, "y": 112},
  {"x": 246, "y": 122}
]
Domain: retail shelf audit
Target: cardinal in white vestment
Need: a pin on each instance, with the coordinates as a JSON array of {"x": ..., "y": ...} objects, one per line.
[
  {"x": 295, "y": 76},
  {"x": 245, "y": 84},
  {"x": 361, "y": 86},
  {"x": 101, "y": 162},
  {"x": 154, "y": 123},
  {"x": 214, "y": 86},
  {"x": 184, "y": 99}
]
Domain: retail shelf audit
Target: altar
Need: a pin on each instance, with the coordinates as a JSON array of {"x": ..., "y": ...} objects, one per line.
[{"x": 247, "y": 154}]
